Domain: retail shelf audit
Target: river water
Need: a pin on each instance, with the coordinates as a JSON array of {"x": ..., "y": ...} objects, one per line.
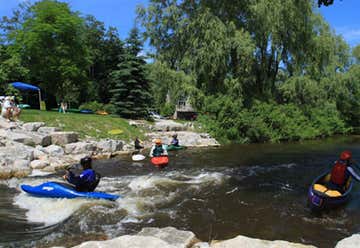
[{"x": 257, "y": 190}]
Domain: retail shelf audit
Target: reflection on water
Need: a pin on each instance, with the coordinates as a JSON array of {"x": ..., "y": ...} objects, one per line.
[{"x": 218, "y": 193}]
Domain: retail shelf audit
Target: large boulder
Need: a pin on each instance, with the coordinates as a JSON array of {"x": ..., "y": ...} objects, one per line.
[
  {"x": 63, "y": 138},
  {"x": 109, "y": 145},
  {"x": 171, "y": 235},
  {"x": 26, "y": 138},
  {"x": 128, "y": 241},
  {"x": 38, "y": 164},
  {"x": 40, "y": 139},
  {"x": 13, "y": 151},
  {"x": 17, "y": 136},
  {"x": 246, "y": 242},
  {"x": 80, "y": 147},
  {"x": 168, "y": 125},
  {"x": 14, "y": 160},
  {"x": 17, "y": 168},
  {"x": 54, "y": 151},
  {"x": 33, "y": 126},
  {"x": 349, "y": 242},
  {"x": 186, "y": 138},
  {"x": 6, "y": 124},
  {"x": 48, "y": 130}
]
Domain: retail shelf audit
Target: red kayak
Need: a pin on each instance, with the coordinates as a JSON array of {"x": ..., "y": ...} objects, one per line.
[{"x": 160, "y": 161}]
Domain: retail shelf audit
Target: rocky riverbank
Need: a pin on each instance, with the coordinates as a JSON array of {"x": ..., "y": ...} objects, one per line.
[
  {"x": 25, "y": 147},
  {"x": 170, "y": 237}
]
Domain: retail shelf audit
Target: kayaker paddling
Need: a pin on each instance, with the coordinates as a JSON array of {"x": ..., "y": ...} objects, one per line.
[
  {"x": 88, "y": 180},
  {"x": 341, "y": 172},
  {"x": 158, "y": 149},
  {"x": 174, "y": 141}
]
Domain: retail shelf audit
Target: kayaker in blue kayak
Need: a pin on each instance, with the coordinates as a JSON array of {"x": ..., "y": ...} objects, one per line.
[
  {"x": 158, "y": 149},
  {"x": 175, "y": 141},
  {"x": 341, "y": 172},
  {"x": 87, "y": 180}
]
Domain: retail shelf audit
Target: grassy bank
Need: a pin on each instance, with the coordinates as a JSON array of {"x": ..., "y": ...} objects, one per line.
[{"x": 96, "y": 126}]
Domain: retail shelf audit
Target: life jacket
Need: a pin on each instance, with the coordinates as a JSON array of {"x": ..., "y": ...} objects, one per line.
[
  {"x": 158, "y": 150},
  {"x": 338, "y": 173}
]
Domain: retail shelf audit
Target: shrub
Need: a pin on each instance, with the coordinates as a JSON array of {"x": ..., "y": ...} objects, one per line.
[
  {"x": 110, "y": 108},
  {"x": 94, "y": 106}
]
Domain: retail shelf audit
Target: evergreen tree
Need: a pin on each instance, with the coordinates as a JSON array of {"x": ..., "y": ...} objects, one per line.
[{"x": 131, "y": 94}]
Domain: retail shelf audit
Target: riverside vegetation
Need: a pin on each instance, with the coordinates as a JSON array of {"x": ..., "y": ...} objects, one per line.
[{"x": 256, "y": 71}]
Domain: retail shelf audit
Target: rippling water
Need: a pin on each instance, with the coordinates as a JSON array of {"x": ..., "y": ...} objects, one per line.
[{"x": 218, "y": 193}]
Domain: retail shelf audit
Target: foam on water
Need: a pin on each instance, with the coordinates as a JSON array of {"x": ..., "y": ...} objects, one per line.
[
  {"x": 49, "y": 211},
  {"x": 142, "y": 196}
]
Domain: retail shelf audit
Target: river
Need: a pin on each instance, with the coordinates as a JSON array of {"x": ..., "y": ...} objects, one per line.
[{"x": 257, "y": 190}]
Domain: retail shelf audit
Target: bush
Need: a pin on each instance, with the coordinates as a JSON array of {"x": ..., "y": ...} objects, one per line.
[
  {"x": 110, "y": 108},
  {"x": 94, "y": 106},
  {"x": 272, "y": 122},
  {"x": 167, "y": 109}
]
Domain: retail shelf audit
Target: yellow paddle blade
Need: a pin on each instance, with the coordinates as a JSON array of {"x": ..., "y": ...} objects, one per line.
[
  {"x": 333, "y": 193},
  {"x": 320, "y": 188},
  {"x": 115, "y": 131}
]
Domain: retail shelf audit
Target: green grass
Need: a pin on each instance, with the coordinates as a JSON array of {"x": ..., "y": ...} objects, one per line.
[{"x": 96, "y": 126}]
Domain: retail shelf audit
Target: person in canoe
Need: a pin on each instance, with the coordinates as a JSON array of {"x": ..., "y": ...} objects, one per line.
[
  {"x": 341, "y": 171},
  {"x": 174, "y": 141},
  {"x": 138, "y": 144},
  {"x": 88, "y": 178},
  {"x": 158, "y": 149}
]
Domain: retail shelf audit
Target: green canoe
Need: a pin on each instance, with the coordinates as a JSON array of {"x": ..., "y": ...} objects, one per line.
[{"x": 175, "y": 148}]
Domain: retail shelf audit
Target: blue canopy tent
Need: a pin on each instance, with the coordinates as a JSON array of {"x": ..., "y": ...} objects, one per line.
[{"x": 27, "y": 87}]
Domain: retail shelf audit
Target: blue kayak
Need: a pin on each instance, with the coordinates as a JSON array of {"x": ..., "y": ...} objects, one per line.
[{"x": 61, "y": 190}]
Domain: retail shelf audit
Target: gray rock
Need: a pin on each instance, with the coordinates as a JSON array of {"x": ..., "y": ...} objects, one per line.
[
  {"x": 26, "y": 138},
  {"x": 63, "y": 138},
  {"x": 168, "y": 125},
  {"x": 201, "y": 245},
  {"x": 80, "y": 147},
  {"x": 349, "y": 242},
  {"x": 41, "y": 139},
  {"x": 171, "y": 235},
  {"x": 19, "y": 168},
  {"x": 38, "y": 164},
  {"x": 14, "y": 151},
  {"x": 39, "y": 153},
  {"x": 246, "y": 242},
  {"x": 186, "y": 138},
  {"x": 48, "y": 130},
  {"x": 18, "y": 136},
  {"x": 6, "y": 124},
  {"x": 109, "y": 145},
  {"x": 33, "y": 126},
  {"x": 54, "y": 151},
  {"x": 128, "y": 241}
]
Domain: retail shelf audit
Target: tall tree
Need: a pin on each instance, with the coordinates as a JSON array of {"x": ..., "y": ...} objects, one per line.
[
  {"x": 106, "y": 51},
  {"x": 51, "y": 43},
  {"x": 131, "y": 94}
]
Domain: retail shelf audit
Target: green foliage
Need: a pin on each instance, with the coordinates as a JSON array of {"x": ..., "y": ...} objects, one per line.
[
  {"x": 356, "y": 54},
  {"x": 167, "y": 109},
  {"x": 94, "y": 106},
  {"x": 168, "y": 84},
  {"x": 11, "y": 91},
  {"x": 131, "y": 94},
  {"x": 50, "y": 42}
]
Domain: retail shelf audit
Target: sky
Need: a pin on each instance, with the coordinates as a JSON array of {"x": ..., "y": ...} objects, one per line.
[{"x": 343, "y": 16}]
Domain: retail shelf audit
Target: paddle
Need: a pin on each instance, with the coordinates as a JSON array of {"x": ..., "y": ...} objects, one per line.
[{"x": 357, "y": 166}]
